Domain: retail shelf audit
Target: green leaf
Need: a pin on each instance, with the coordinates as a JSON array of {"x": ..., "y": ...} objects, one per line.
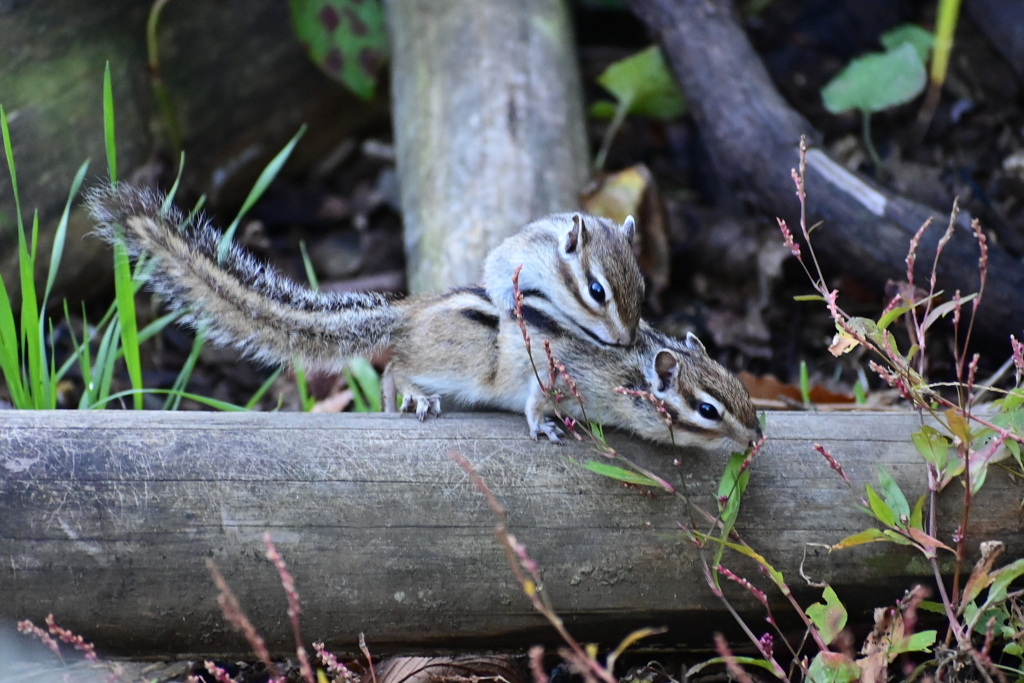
[
  {"x": 774, "y": 574},
  {"x": 919, "y": 642},
  {"x": 917, "y": 515},
  {"x": 882, "y": 512},
  {"x": 897, "y": 537},
  {"x": 731, "y": 488},
  {"x": 829, "y": 618},
  {"x": 888, "y": 318},
  {"x": 943, "y": 310},
  {"x": 619, "y": 474},
  {"x": 876, "y": 82},
  {"x": 918, "y": 38},
  {"x": 745, "y": 661},
  {"x": 1001, "y": 580},
  {"x": 603, "y": 109},
  {"x": 866, "y": 536},
  {"x": 832, "y": 667},
  {"x": 932, "y": 446},
  {"x": 643, "y": 84},
  {"x": 808, "y": 297},
  {"x": 932, "y": 606},
  {"x": 893, "y": 496},
  {"x": 347, "y": 39}
]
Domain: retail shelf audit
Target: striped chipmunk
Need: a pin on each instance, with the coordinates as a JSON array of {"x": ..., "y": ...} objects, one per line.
[{"x": 580, "y": 285}]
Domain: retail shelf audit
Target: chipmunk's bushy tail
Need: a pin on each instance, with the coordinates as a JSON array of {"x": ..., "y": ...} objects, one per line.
[{"x": 241, "y": 301}]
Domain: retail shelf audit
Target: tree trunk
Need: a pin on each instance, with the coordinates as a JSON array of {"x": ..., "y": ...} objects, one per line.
[{"x": 489, "y": 127}]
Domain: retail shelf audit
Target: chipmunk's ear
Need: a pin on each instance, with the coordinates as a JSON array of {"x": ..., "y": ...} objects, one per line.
[
  {"x": 628, "y": 229},
  {"x": 576, "y": 236},
  {"x": 693, "y": 343},
  {"x": 666, "y": 367}
]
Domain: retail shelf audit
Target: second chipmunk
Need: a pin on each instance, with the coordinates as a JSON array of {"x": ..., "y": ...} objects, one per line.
[{"x": 581, "y": 288}]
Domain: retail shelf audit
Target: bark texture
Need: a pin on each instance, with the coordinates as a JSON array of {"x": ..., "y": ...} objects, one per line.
[
  {"x": 489, "y": 127},
  {"x": 107, "y": 520}
]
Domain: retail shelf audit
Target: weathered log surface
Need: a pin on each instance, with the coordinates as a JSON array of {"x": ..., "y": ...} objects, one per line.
[
  {"x": 489, "y": 127},
  {"x": 752, "y": 136},
  {"x": 107, "y": 518}
]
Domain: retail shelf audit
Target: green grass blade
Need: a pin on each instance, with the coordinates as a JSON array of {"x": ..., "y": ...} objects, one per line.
[
  {"x": 945, "y": 27},
  {"x": 108, "y": 124},
  {"x": 10, "y": 364},
  {"x": 52, "y": 376},
  {"x": 10, "y": 344},
  {"x": 73, "y": 358},
  {"x": 212, "y": 402},
  {"x": 125, "y": 298},
  {"x": 261, "y": 185},
  {"x": 34, "y": 351},
  {"x": 59, "y": 238},
  {"x": 169, "y": 199},
  {"x": 10, "y": 166},
  {"x": 104, "y": 366},
  {"x": 300, "y": 381},
  {"x": 158, "y": 325},
  {"x": 84, "y": 360},
  {"x": 264, "y": 388},
  {"x": 364, "y": 380},
  {"x": 310, "y": 273},
  {"x": 357, "y": 394},
  {"x": 181, "y": 381},
  {"x": 200, "y": 203},
  {"x": 60, "y": 235}
]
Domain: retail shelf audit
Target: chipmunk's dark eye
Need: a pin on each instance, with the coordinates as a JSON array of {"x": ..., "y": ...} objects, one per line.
[
  {"x": 597, "y": 292},
  {"x": 708, "y": 412}
]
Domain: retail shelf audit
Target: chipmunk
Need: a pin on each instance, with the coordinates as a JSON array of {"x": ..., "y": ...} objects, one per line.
[
  {"x": 467, "y": 347},
  {"x": 459, "y": 343},
  {"x": 601, "y": 293}
]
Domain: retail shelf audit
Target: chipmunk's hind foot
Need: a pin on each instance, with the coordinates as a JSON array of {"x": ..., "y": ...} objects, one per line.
[
  {"x": 548, "y": 429},
  {"x": 425, "y": 405}
]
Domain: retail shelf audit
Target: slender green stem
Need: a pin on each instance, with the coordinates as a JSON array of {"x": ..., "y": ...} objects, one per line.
[
  {"x": 865, "y": 118},
  {"x": 609, "y": 134}
]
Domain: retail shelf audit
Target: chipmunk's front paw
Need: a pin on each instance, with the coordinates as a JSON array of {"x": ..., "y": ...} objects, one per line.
[
  {"x": 548, "y": 429},
  {"x": 425, "y": 405}
]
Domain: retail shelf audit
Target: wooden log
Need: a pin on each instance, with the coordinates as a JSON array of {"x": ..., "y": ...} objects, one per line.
[
  {"x": 107, "y": 519},
  {"x": 752, "y": 136},
  {"x": 489, "y": 127}
]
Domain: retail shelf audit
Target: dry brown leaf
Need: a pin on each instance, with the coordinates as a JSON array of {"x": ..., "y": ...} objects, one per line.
[{"x": 770, "y": 388}]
